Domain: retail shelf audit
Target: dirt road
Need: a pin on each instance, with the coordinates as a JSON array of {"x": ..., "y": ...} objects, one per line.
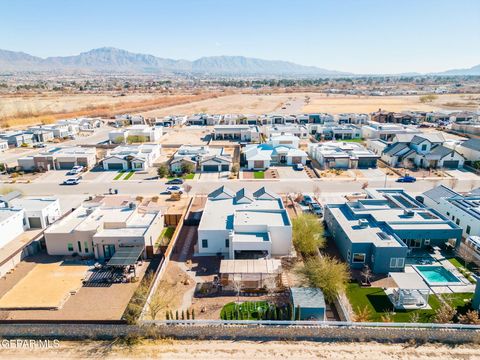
[{"x": 171, "y": 349}]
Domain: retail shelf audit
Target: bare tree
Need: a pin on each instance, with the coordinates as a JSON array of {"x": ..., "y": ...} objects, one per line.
[
  {"x": 471, "y": 317},
  {"x": 366, "y": 274},
  {"x": 187, "y": 188},
  {"x": 445, "y": 313},
  {"x": 237, "y": 285},
  {"x": 414, "y": 317}
]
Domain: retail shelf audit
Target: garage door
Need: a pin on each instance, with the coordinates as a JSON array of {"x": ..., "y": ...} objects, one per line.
[
  {"x": 450, "y": 164},
  {"x": 367, "y": 163},
  {"x": 35, "y": 222},
  {"x": 258, "y": 164},
  {"x": 115, "y": 166},
  {"x": 296, "y": 160},
  {"x": 225, "y": 168},
  {"x": 210, "y": 167},
  {"x": 66, "y": 165}
]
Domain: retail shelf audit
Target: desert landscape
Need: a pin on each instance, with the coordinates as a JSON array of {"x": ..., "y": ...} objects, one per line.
[{"x": 172, "y": 349}]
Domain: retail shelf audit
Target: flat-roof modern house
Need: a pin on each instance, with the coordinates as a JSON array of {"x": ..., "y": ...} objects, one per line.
[
  {"x": 375, "y": 130},
  {"x": 352, "y": 118},
  {"x": 131, "y": 157},
  {"x": 203, "y": 157},
  {"x": 297, "y": 130},
  {"x": 59, "y": 159},
  {"x": 136, "y": 133},
  {"x": 380, "y": 231},
  {"x": 246, "y": 133},
  {"x": 18, "y": 214},
  {"x": 279, "y": 150},
  {"x": 100, "y": 227},
  {"x": 336, "y": 132},
  {"x": 419, "y": 150},
  {"x": 3, "y": 145},
  {"x": 244, "y": 225},
  {"x": 342, "y": 155},
  {"x": 17, "y": 138},
  {"x": 464, "y": 210}
]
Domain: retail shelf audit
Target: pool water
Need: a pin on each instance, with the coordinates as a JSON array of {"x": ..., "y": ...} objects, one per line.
[{"x": 437, "y": 274}]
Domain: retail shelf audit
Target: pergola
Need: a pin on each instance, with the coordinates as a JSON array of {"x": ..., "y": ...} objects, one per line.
[
  {"x": 126, "y": 256},
  {"x": 250, "y": 273},
  {"x": 412, "y": 291}
]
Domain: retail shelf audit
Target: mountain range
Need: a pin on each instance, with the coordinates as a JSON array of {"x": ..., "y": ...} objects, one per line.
[{"x": 113, "y": 60}]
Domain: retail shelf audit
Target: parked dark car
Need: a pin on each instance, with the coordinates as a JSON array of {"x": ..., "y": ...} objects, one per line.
[
  {"x": 176, "y": 181},
  {"x": 406, "y": 179}
]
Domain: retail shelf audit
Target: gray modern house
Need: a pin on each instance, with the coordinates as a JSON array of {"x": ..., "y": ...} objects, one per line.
[{"x": 383, "y": 229}]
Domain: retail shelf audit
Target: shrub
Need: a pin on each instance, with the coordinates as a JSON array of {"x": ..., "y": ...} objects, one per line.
[{"x": 308, "y": 234}]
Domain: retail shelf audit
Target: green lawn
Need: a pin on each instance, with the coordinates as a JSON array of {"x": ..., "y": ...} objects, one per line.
[
  {"x": 459, "y": 264},
  {"x": 119, "y": 175},
  {"x": 188, "y": 176},
  {"x": 248, "y": 310},
  {"x": 378, "y": 303},
  {"x": 259, "y": 175},
  {"x": 129, "y": 175},
  {"x": 352, "y": 140},
  {"x": 168, "y": 232}
]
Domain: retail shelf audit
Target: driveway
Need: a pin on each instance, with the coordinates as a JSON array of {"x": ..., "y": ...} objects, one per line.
[
  {"x": 372, "y": 173},
  {"x": 205, "y": 176},
  {"x": 287, "y": 172},
  {"x": 54, "y": 176},
  {"x": 461, "y": 174}
]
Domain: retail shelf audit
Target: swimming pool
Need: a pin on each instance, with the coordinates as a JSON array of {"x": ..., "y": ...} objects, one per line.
[{"x": 437, "y": 275}]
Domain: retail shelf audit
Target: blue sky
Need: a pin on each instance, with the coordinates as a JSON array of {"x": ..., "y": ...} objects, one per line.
[{"x": 362, "y": 36}]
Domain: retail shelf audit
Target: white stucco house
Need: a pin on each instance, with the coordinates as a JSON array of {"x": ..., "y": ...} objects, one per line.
[
  {"x": 204, "y": 158},
  {"x": 149, "y": 133},
  {"x": 131, "y": 157},
  {"x": 99, "y": 227},
  {"x": 244, "y": 225},
  {"x": 342, "y": 155},
  {"x": 279, "y": 150}
]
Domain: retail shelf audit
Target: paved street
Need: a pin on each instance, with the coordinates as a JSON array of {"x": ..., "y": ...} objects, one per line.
[{"x": 322, "y": 186}]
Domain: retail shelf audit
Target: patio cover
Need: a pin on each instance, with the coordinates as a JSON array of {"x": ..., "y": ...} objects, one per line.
[
  {"x": 409, "y": 281},
  {"x": 126, "y": 256},
  {"x": 259, "y": 266}
]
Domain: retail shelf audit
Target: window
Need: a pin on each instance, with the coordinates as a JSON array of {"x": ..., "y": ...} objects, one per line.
[
  {"x": 457, "y": 222},
  {"x": 79, "y": 246},
  {"x": 397, "y": 263},
  {"x": 86, "y": 246},
  {"x": 424, "y": 147},
  {"x": 348, "y": 255},
  {"x": 453, "y": 217},
  {"x": 70, "y": 247},
  {"x": 358, "y": 258},
  {"x": 204, "y": 243},
  {"x": 227, "y": 243},
  {"x": 426, "y": 242},
  {"x": 448, "y": 214},
  {"x": 468, "y": 229}
]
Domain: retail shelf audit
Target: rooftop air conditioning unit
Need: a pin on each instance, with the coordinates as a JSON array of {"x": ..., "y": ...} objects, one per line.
[
  {"x": 363, "y": 223},
  {"x": 408, "y": 213}
]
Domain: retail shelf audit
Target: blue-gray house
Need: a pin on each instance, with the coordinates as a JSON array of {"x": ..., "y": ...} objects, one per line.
[
  {"x": 380, "y": 231},
  {"x": 310, "y": 302}
]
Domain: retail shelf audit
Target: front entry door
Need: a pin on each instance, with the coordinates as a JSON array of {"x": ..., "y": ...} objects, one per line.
[{"x": 108, "y": 251}]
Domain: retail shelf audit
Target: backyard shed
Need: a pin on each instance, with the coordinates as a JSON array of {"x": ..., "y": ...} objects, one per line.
[{"x": 310, "y": 301}]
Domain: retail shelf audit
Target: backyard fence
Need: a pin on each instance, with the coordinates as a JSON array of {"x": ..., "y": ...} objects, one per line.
[
  {"x": 166, "y": 258},
  {"x": 251, "y": 330}
]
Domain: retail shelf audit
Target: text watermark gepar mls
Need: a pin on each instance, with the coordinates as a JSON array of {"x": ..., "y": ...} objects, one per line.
[{"x": 29, "y": 344}]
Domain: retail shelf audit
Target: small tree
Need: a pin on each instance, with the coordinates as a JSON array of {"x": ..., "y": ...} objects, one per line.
[
  {"x": 366, "y": 274},
  {"x": 308, "y": 234},
  {"x": 183, "y": 315},
  {"x": 176, "y": 315},
  {"x": 298, "y": 314},
  {"x": 471, "y": 317},
  {"x": 193, "y": 314},
  {"x": 167, "y": 315},
  {"x": 187, "y": 168},
  {"x": 188, "y": 314},
  {"x": 235, "y": 168},
  {"x": 362, "y": 314},
  {"x": 162, "y": 171},
  {"x": 119, "y": 140},
  {"x": 187, "y": 188},
  {"x": 326, "y": 273},
  {"x": 445, "y": 313},
  {"x": 237, "y": 285}
]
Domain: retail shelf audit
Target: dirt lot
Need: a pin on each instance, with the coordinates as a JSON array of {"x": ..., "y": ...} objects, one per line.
[
  {"x": 88, "y": 303},
  {"x": 238, "y": 103},
  {"x": 187, "y": 135},
  {"x": 216, "y": 349},
  {"x": 18, "y": 110},
  {"x": 336, "y": 104}
]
